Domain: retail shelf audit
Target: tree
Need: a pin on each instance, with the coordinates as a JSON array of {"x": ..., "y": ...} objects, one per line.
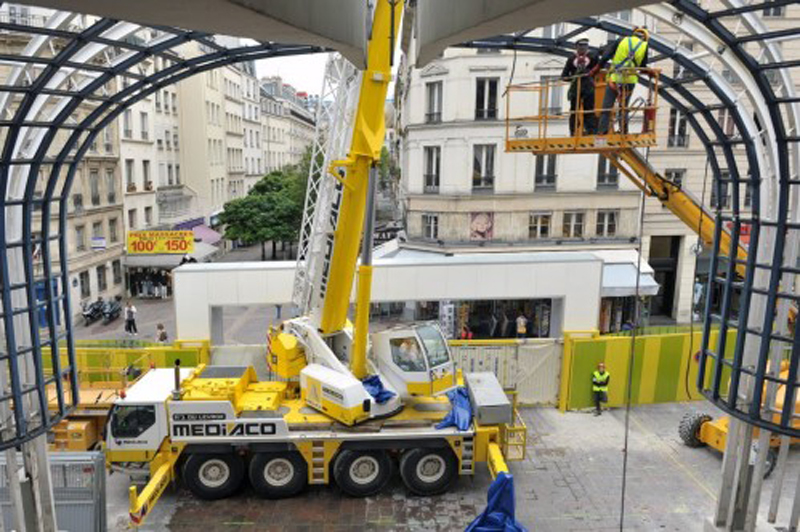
[{"x": 248, "y": 219}]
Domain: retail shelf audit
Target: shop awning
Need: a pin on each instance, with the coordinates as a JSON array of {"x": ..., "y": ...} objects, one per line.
[
  {"x": 202, "y": 253},
  {"x": 619, "y": 280},
  {"x": 206, "y": 234}
]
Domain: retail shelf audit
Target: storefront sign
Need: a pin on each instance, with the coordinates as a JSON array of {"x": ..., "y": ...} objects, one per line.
[{"x": 150, "y": 242}]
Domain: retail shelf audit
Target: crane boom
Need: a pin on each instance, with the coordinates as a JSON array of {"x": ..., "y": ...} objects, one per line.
[{"x": 682, "y": 204}]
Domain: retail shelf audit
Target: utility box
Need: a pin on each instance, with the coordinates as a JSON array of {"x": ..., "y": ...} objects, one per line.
[{"x": 489, "y": 401}]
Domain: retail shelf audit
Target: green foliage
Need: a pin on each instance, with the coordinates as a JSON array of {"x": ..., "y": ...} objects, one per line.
[{"x": 272, "y": 210}]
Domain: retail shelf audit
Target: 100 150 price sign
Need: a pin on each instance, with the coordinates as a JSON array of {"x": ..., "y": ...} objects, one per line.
[{"x": 151, "y": 242}]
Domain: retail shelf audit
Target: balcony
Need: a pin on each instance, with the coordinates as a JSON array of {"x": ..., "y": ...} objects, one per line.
[
  {"x": 483, "y": 185},
  {"x": 486, "y": 114}
]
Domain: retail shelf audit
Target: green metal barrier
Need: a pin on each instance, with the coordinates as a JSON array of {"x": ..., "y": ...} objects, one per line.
[{"x": 660, "y": 365}]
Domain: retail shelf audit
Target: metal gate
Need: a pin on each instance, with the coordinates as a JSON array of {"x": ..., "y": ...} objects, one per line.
[
  {"x": 531, "y": 367},
  {"x": 79, "y": 491}
]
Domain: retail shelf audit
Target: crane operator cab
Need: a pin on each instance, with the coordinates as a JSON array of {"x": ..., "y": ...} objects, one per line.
[{"x": 415, "y": 361}]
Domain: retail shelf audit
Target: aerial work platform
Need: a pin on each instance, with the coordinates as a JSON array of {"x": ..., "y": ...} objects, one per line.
[{"x": 632, "y": 120}]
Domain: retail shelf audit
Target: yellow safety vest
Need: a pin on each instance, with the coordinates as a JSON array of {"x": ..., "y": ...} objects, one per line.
[
  {"x": 600, "y": 381},
  {"x": 629, "y": 55}
]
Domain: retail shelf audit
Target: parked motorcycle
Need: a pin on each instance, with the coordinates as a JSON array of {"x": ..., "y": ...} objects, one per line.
[
  {"x": 93, "y": 311},
  {"x": 111, "y": 310}
]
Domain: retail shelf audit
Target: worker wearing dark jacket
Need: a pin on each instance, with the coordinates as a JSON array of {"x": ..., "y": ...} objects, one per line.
[
  {"x": 576, "y": 70},
  {"x": 600, "y": 380},
  {"x": 627, "y": 55}
]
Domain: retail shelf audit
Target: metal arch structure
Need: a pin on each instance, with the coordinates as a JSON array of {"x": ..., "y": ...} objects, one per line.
[{"x": 764, "y": 113}]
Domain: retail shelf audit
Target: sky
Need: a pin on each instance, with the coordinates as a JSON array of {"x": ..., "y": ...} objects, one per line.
[{"x": 304, "y": 72}]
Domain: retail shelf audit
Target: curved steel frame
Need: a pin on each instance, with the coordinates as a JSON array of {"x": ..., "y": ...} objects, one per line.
[
  {"x": 771, "y": 158},
  {"x": 23, "y": 399}
]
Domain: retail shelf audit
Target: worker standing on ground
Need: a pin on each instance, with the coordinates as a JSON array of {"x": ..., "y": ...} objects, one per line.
[
  {"x": 627, "y": 55},
  {"x": 600, "y": 379},
  {"x": 581, "y": 88},
  {"x": 130, "y": 319}
]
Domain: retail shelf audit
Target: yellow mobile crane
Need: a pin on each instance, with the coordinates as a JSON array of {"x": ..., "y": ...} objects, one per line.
[{"x": 349, "y": 405}]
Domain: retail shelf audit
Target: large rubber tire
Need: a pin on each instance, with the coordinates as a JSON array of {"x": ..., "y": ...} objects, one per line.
[
  {"x": 362, "y": 473},
  {"x": 213, "y": 476},
  {"x": 428, "y": 471},
  {"x": 278, "y": 475},
  {"x": 689, "y": 429}
]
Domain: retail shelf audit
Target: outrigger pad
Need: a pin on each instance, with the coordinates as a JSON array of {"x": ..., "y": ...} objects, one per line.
[{"x": 499, "y": 513}]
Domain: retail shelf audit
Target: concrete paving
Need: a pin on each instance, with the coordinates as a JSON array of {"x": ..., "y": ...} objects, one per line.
[{"x": 570, "y": 481}]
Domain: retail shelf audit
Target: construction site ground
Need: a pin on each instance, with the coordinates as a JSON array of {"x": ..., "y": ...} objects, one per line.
[{"x": 570, "y": 481}]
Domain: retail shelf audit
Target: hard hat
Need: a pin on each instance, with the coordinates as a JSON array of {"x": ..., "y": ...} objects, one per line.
[{"x": 642, "y": 33}]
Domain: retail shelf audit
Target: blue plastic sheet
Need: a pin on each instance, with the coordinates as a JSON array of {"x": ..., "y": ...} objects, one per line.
[
  {"x": 499, "y": 513},
  {"x": 460, "y": 414},
  {"x": 375, "y": 388}
]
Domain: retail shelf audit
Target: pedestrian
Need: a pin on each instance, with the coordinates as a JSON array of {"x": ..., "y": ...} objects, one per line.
[
  {"x": 600, "y": 379},
  {"x": 466, "y": 333},
  {"x": 628, "y": 55},
  {"x": 522, "y": 325},
  {"x": 161, "y": 334},
  {"x": 581, "y": 88},
  {"x": 130, "y": 319}
]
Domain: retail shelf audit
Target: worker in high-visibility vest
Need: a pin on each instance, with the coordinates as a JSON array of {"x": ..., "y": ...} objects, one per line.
[
  {"x": 628, "y": 55},
  {"x": 600, "y": 380}
]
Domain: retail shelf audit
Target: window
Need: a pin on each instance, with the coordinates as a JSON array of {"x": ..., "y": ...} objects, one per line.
[
  {"x": 113, "y": 236},
  {"x": 483, "y": 168},
  {"x": 130, "y": 178},
  {"x": 148, "y": 185},
  {"x": 170, "y": 180},
  {"x": 168, "y": 140},
  {"x": 545, "y": 172},
  {"x": 145, "y": 125},
  {"x": 158, "y": 98},
  {"x": 486, "y": 99},
  {"x": 776, "y": 11},
  {"x": 178, "y": 174},
  {"x": 607, "y": 174},
  {"x": 539, "y": 225},
  {"x": 127, "y": 127},
  {"x": 607, "y": 223},
  {"x": 102, "y": 282},
  {"x": 553, "y": 30},
  {"x": 433, "y": 92},
  {"x": 148, "y": 216},
  {"x": 111, "y": 186},
  {"x": 748, "y": 195},
  {"x": 435, "y": 346},
  {"x": 131, "y": 421},
  {"x": 116, "y": 271},
  {"x": 132, "y": 218},
  {"x": 432, "y": 168},
  {"x": 556, "y": 95},
  {"x": 97, "y": 230},
  {"x": 720, "y": 193},
  {"x": 573, "y": 225},
  {"x": 430, "y": 226},
  {"x": 174, "y": 102},
  {"x": 77, "y": 202},
  {"x": 678, "y": 135},
  {"x": 80, "y": 238},
  {"x": 175, "y": 140},
  {"x": 108, "y": 140},
  {"x": 86, "y": 290},
  {"x": 94, "y": 186},
  {"x": 679, "y": 71},
  {"x": 407, "y": 355},
  {"x": 676, "y": 175},
  {"x": 725, "y": 119}
]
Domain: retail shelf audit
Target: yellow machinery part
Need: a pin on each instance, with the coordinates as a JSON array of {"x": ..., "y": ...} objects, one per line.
[
  {"x": 286, "y": 357},
  {"x": 162, "y": 472},
  {"x": 318, "y": 455},
  {"x": 496, "y": 461}
]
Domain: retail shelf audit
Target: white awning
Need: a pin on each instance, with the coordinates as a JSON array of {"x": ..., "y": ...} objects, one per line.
[{"x": 619, "y": 274}]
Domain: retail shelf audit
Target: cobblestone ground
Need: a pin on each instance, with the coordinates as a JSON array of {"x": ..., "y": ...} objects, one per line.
[{"x": 570, "y": 481}]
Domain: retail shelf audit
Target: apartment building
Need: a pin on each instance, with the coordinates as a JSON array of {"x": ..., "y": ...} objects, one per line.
[
  {"x": 252, "y": 127},
  {"x": 288, "y": 123},
  {"x": 463, "y": 193}
]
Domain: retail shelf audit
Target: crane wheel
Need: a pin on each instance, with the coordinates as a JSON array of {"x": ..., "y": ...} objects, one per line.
[
  {"x": 278, "y": 475},
  {"x": 428, "y": 471},
  {"x": 213, "y": 476},
  {"x": 689, "y": 429},
  {"x": 362, "y": 473}
]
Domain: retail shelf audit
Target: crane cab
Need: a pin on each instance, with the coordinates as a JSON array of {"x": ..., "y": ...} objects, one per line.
[
  {"x": 535, "y": 122},
  {"x": 416, "y": 361}
]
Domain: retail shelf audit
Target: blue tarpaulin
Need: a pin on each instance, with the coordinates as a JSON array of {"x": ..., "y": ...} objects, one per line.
[
  {"x": 499, "y": 513},
  {"x": 460, "y": 414},
  {"x": 375, "y": 388}
]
